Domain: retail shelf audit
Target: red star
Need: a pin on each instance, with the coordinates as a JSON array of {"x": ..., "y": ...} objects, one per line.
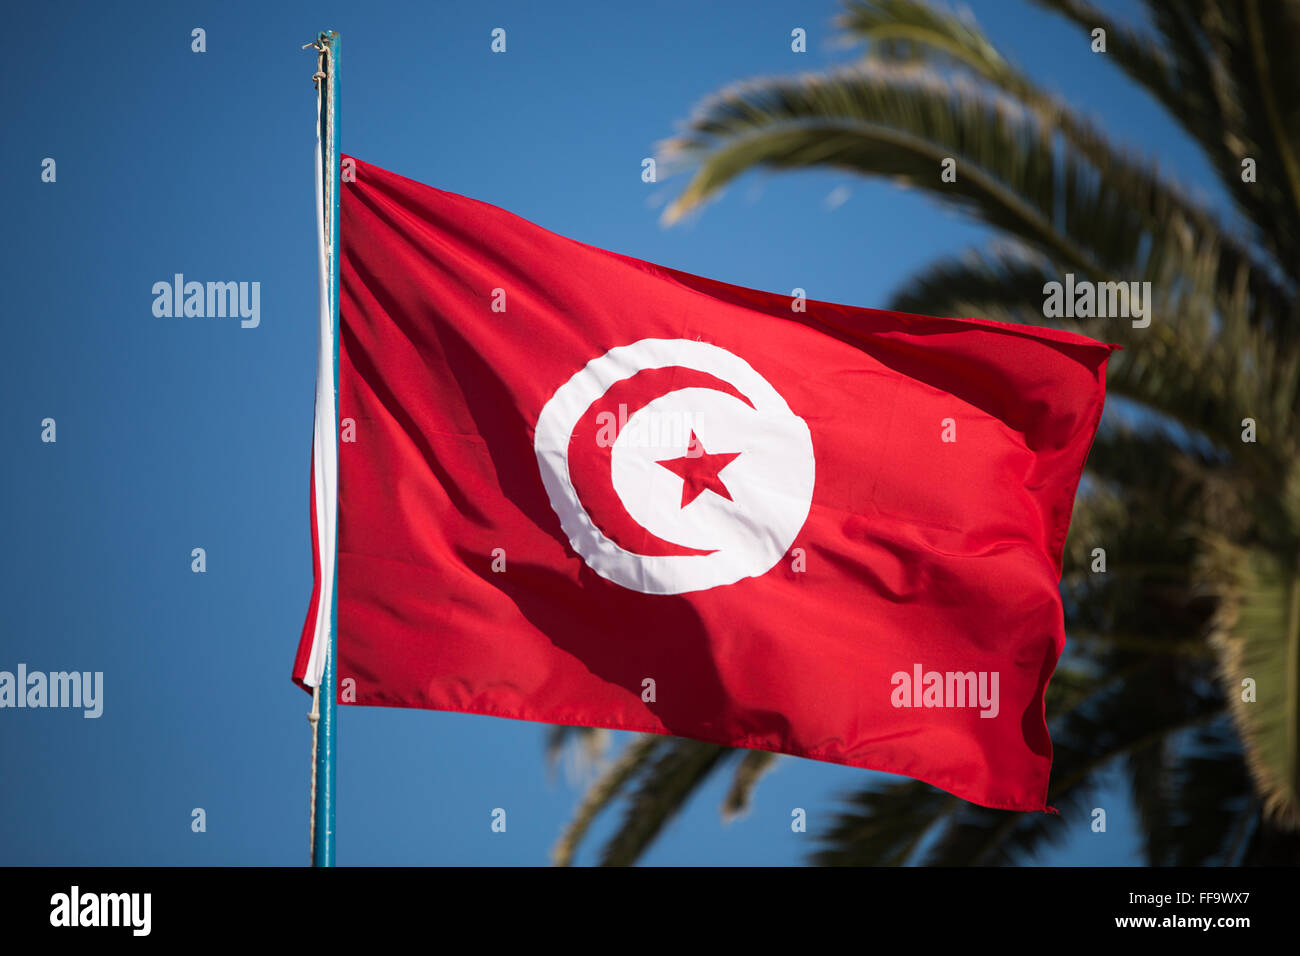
[{"x": 699, "y": 471}]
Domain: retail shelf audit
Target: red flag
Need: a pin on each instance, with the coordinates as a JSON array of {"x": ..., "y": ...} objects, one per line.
[{"x": 579, "y": 488}]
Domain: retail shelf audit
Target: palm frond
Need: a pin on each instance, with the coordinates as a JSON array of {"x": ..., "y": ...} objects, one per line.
[
  {"x": 634, "y": 759},
  {"x": 758, "y": 123},
  {"x": 885, "y": 825},
  {"x": 1257, "y": 635},
  {"x": 909, "y": 30},
  {"x": 677, "y": 771},
  {"x": 749, "y": 770},
  {"x": 917, "y": 31},
  {"x": 1213, "y": 66}
]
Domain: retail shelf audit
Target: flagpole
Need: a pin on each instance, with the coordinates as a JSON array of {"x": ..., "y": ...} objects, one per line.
[{"x": 323, "y": 744}]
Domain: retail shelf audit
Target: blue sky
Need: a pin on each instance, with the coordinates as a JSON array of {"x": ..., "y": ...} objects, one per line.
[{"x": 182, "y": 433}]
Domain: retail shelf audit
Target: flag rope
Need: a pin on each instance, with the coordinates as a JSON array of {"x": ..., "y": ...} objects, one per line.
[{"x": 313, "y": 718}]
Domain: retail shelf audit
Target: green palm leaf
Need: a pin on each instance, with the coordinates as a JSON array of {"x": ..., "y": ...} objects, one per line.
[
  {"x": 665, "y": 786},
  {"x": 1257, "y": 632}
]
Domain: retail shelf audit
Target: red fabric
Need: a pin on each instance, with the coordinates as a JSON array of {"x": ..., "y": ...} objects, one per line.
[{"x": 916, "y": 551}]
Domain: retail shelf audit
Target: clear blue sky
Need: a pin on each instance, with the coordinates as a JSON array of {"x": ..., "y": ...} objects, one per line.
[{"x": 182, "y": 433}]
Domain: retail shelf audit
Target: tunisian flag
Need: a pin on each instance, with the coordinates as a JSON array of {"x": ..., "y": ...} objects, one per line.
[{"x": 579, "y": 488}]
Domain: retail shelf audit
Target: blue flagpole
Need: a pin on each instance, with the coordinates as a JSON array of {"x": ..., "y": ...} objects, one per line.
[{"x": 322, "y": 851}]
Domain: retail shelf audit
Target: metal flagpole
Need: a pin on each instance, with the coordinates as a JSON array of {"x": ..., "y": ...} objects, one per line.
[{"x": 323, "y": 701}]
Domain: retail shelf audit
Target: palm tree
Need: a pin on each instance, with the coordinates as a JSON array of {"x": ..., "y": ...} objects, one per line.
[{"x": 1201, "y": 527}]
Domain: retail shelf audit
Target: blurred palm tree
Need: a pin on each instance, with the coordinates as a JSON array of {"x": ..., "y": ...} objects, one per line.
[{"x": 1201, "y": 528}]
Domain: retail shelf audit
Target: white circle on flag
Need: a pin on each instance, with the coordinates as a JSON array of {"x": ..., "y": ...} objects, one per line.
[{"x": 747, "y": 521}]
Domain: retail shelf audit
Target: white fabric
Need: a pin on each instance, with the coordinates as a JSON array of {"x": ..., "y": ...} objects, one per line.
[{"x": 324, "y": 440}]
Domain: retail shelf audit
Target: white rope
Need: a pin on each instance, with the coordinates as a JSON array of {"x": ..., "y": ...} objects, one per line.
[{"x": 314, "y": 719}]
